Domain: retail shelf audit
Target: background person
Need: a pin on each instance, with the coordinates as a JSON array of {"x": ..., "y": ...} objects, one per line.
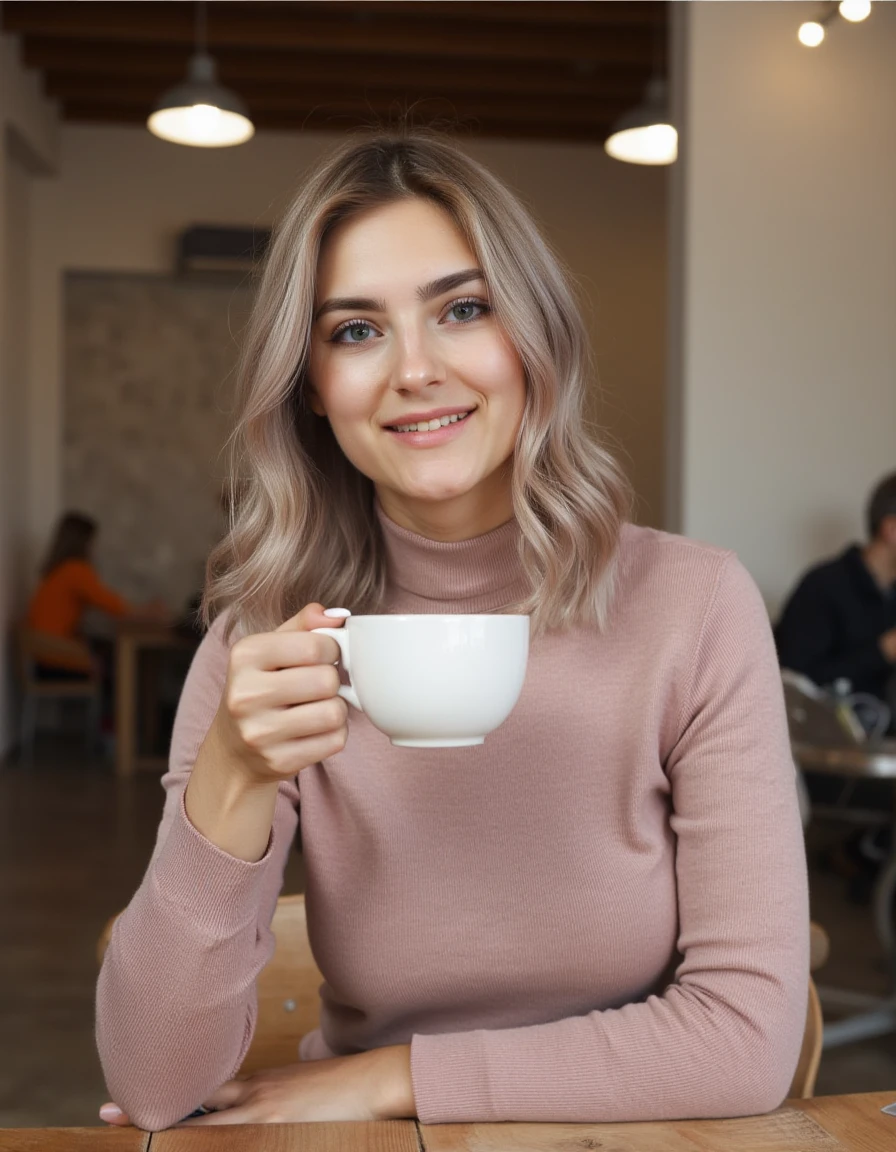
[
  {"x": 68, "y": 586},
  {"x": 840, "y": 621}
]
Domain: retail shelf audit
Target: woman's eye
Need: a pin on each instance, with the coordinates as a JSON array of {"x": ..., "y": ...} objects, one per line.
[
  {"x": 465, "y": 310},
  {"x": 353, "y": 334}
]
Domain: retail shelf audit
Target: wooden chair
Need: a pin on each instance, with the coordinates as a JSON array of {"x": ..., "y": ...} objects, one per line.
[
  {"x": 803, "y": 1085},
  {"x": 288, "y": 998},
  {"x": 34, "y": 646}
]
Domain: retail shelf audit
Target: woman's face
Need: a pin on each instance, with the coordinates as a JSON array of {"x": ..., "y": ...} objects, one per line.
[{"x": 422, "y": 389}]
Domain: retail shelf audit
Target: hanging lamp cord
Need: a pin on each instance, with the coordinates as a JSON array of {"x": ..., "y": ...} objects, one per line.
[{"x": 201, "y": 28}]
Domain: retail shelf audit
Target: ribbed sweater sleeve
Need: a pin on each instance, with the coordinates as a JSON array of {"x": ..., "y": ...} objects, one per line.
[
  {"x": 176, "y": 995},
  {"x": 724, "y": 1037}
]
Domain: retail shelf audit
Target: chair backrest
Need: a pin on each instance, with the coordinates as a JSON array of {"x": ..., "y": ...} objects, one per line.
[
  {"x": 803, "y": 1084},
  {"x": 289, "y": 998},
  {"x": 33, "y": 646},
  {"x": 802, "y": 1087}
]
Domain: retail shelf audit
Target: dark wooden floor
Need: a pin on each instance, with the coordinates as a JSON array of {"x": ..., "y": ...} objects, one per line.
[{"x": 74, "y": 841}]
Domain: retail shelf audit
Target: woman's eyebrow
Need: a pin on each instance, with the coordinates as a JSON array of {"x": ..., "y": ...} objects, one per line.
[
  {"x": 426, "y": 292},
  {"x": 350, "y": 304},
  {"x": 447, "y": 283}
]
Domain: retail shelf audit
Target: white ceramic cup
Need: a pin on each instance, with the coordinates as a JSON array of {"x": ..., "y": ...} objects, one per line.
[{"x": 434, "y": 681}]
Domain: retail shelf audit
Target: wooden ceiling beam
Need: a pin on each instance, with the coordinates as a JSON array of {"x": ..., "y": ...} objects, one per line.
[
  {"x": 377, "y": 102},
  {"x": 167, "y": 65},
  {"x": 591, "y": 13},
  {"x": 363, "y": 34},
  {"x": 322, "y": 120}
]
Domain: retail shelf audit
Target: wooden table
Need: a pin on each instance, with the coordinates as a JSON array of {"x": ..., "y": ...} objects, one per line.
[
  {"x": 73, "y": 1140},
  {"x": 873, "y": 1015},
  {"x": 132, "y": 638},
  {"x": 825, "y": 1124}
]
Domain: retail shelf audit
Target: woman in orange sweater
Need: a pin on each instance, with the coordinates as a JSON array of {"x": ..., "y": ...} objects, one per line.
[{"x": 69, "y": 585}]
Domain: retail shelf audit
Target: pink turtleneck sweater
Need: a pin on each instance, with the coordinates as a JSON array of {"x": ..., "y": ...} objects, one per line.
[{"x": 599, "y": 914}]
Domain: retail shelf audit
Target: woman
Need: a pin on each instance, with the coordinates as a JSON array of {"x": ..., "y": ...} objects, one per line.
[
  {"x": 601, "y": 912},
  {"x": 69, "y": 585}
]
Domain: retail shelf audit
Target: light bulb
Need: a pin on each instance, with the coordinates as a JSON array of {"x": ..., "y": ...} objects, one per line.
[
  {"x": 811, "y": 34},
  {"x": 652, "y": 144},
  {"x": 855, "y": 10},
  {"x": 201, "y": 125}
]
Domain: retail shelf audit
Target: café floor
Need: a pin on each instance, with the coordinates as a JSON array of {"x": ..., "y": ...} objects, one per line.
[{"x": 74, "y": 841}]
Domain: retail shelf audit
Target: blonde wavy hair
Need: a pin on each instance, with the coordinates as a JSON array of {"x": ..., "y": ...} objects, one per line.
[{"x": 303, "y": 526}]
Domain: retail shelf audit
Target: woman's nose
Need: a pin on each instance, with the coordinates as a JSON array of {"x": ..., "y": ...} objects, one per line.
[{"x": 416, "y": 363}]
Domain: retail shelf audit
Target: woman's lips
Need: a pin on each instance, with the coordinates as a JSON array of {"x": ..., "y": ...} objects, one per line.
[{"x": 431, "y": 437}]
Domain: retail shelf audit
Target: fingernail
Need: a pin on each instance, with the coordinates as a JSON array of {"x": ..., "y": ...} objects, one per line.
[
  {"x": 337, "y": 613},
  {"x": 110, "y": 1112}
]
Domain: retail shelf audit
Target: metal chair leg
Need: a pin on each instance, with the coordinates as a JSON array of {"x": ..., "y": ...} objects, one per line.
[
  {"x": 92, "y": 733},
  {"x": 884, "y": 893},
  {"x": 28, "y": 729}
]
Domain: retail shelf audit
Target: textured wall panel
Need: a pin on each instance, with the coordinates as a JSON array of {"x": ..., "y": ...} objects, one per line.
[{"x": 149, "y": 380}]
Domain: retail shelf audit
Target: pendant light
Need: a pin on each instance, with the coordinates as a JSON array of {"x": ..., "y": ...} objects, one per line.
[
  {"x": 201, "y": 112},
  {"x": 645, "y": 135},
  {"x": 855, "y": 10}
]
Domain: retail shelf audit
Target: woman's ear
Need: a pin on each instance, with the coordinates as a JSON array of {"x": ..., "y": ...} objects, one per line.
[{"x": 314, "y": 402}]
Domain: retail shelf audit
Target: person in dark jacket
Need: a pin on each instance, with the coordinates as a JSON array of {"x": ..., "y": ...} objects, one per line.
[{"x": 840, "y": 621}]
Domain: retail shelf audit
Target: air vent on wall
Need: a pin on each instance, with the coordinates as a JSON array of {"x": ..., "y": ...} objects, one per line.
[{"x": 213, "y": 250}]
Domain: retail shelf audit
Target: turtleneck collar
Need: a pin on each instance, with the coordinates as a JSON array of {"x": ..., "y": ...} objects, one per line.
[{"x": 482, "y": 574}]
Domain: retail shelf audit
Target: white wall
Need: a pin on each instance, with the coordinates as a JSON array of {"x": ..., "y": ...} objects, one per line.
[
  {"x": 27, "y": 155},
  {"x": 122, "y": 197},
  {"x": 787, "y": 278}
]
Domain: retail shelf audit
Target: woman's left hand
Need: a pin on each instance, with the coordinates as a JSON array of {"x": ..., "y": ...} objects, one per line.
[{"x": 374, "y": 1085}]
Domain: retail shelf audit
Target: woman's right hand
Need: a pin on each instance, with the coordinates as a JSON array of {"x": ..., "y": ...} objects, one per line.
[{"x": 280, "y": 711}]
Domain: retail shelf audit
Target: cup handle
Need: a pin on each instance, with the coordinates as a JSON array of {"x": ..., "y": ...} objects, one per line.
[{"x": 346, "y": 691}]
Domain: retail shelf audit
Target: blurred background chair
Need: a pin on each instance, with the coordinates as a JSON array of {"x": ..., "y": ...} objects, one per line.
[
  {"x": 802, "y": 1086},
  {"x": 835, "y": 739},
  {"x": 32, "y": 647}
]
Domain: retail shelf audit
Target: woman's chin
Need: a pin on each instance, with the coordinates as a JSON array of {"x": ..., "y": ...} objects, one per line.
[
  {"x": 435, "y": 494},
  {"x": 434, "y": 489}
]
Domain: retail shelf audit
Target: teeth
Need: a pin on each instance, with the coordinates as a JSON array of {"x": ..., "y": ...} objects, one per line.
[{"x": 430, "y": 425}]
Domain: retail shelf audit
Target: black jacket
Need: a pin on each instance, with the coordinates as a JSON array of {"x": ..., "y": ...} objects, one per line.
[{"x": 831, "y": 624}]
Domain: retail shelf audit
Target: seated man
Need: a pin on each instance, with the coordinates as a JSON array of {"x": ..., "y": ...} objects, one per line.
[{"x": 840, "y": 622}]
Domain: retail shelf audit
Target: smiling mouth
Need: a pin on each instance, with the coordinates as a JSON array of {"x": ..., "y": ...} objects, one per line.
[{"x": 429, "y": 425}]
